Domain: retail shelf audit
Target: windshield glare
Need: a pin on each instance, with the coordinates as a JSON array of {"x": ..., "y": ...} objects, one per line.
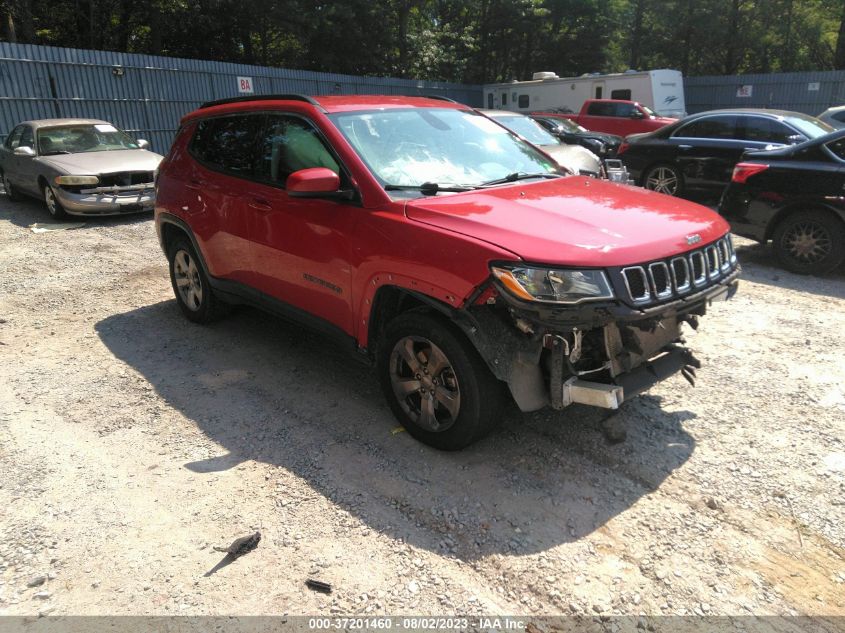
[
  {"x": 432, "y": 145},
  {"x": 528, "y": 129},
  {"x": 810, "y": 126},
  {"x": 74, "y": 139}
]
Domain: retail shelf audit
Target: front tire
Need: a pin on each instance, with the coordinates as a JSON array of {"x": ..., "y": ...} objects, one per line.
[
  {"x": 810, "y": 242},
  {"x": 664, "y": 178},
  {"x": 437, "y": 385},
  {"x": 11, "y": 192},
  {"x": 190, "y": 284},
  {"x": 55, "y": 207}
]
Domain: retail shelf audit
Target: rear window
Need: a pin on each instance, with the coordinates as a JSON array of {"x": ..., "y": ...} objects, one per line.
[
  {"x": 227, "y": 143},
  {"x": 710, "y": 127},
  {"x": 766, "y": 130},
  {"x": 600, "y": 108}
]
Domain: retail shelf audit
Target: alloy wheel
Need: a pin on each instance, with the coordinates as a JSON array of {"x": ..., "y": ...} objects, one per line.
[
  {"x": 662, "y": 180},
  {"x": 188, "y": 281},
  {"x": 807, "y": 242},
  {"x": 50, "y": 201},
  {"x": 424, "y": 383}
]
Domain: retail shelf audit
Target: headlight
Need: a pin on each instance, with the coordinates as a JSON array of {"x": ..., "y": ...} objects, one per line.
[
  {"x": 553, "y": 285},
  {"x": 76, "y": 180}
]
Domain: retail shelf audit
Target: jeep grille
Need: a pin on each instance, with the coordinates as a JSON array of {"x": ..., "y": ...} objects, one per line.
[{"x": 665, "y": 279}]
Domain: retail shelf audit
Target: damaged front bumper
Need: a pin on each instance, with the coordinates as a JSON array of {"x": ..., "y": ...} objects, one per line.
[
  {"x": 598, "y": 354},
  {"x": 107, "y": 200}
]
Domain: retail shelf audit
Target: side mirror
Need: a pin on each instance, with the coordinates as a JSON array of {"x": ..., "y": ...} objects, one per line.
[
  {"x": 314, "y": 182},
  {"x": 636, "y": 114},
  {"x": 794, "y": 139},
  {"x": 24, "y": 151},
  {"x": 143, "y": 143}
]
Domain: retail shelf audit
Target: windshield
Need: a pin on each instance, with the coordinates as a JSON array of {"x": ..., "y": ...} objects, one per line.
[
  {"x": 88, "y": 137},
  {"x": 811, "y": 127},
  {"x": 570, "y": 126},
  {"x": 430, "y": 145},
  {"x": 528, "y": 129}
]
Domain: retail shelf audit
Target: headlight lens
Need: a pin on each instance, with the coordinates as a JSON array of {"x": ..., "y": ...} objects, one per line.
[
  {"x": 76, "y": 180},
  {"x": 554, "y": 285}
]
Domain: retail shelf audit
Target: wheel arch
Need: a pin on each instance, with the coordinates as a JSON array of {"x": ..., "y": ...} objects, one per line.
[
  {"x": 798, "y": 206},
  {"x": 171, "y": 227}
]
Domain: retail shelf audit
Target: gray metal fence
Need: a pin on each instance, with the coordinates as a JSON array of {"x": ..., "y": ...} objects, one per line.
[
  {"x": 147, "y": 95},
  {"x": 808, "y": 92}
]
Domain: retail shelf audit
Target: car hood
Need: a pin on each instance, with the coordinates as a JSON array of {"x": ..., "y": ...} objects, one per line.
[
  {"x": 109, "y": 162},
  {"x": 574, "y": 221},
  {"x": 610, "y": 139},
  {"x": 574, "y": 157}
]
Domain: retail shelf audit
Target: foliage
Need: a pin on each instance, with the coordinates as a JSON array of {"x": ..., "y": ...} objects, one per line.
[{"x": 475, "y": 41}]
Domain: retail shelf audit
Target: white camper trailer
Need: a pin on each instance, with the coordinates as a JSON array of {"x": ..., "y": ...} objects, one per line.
[{"x": 661, "y": 90}]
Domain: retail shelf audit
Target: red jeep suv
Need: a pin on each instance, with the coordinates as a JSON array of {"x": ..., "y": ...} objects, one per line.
[{"x": 440, "y": 247}]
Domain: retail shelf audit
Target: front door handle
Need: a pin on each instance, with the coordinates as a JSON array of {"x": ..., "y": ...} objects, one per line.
[
  {"x": 260, "y": 204},
  {"x": 685, "y": 147}
]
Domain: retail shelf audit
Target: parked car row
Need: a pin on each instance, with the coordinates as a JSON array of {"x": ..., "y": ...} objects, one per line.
[{"x": 453, "y": 251}]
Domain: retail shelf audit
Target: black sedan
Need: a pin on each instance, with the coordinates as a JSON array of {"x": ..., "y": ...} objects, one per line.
[
  {"x": 700, "y": 151},
  {"x": 599, "y": 143},
  {"x": 794, "y": 197}
]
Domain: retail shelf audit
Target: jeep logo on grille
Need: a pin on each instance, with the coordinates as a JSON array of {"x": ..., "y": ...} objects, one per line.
[{"x": 695, "y": 238}]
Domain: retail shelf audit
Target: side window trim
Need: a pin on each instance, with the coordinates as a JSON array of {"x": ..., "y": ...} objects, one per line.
[{"x": 345, "y": 175}]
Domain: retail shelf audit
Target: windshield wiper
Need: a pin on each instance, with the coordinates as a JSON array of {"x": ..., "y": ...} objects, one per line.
[
  {"x": 517, "y": 176},
  {"x": 56, "y": 151},
  {"x": 428, "y": 188}
]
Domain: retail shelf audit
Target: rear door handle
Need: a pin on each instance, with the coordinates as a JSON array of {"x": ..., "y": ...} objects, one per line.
[
  {"x": 685, "y": 147},
  {"x": 259, "y": 204}
]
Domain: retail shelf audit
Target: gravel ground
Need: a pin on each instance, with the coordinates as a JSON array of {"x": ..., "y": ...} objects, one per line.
[{"x": 132, "y": 442}]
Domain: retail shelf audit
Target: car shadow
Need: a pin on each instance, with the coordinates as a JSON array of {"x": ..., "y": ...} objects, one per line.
[
  {"x": 760, "y": 265},
  {"x": 265, "y": 390},
  {"x": 28, "y": 211}
]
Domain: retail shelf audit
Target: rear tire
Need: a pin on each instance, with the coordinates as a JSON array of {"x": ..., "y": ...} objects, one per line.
[
  {"x": 55, "y": 207},
  {"x": 11, "y": 192},
  {"x": 190, "y": 284},
  {"x": 810, "y": 242},
  {"x": 664, "y": 178},
  {"x": 437, "y": 385}
]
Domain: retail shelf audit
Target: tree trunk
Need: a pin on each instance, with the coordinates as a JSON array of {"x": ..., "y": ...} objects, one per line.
[
  {"x": 636, "y": 34},
  {"x": 688, "y": 31},
  {"x": 26, "y": 22},
  {"x": 731, "y": 62},
  {"x": 9, "y": 25},
  {"x": 839, "y": 56}
]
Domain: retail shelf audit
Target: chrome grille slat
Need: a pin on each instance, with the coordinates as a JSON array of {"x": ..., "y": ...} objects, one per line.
[{"x": 663, "y": 279}]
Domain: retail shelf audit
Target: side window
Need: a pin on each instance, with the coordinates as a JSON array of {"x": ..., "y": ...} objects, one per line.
[
  {"x": 598, "y": 92},
  {"x": 227, "y": 143},
  {"x": 838, "y": 148},
  {"x": 717, "y": 127},
  {"x": 289, "y": 144},
  {"x": 27, "y": 139},
  {"x": 600, "y": 108},
  {"x": 765, "y": 130},
  {"x": 624, "y": 95},
  {"x": 14, "y": 138},
  {"x": 489, "y": 100},
  {"x": 840, "y": 116},
  {"x": 523, "y": 101},
  {"x": 504, "y": 98},
  {"x": 625, "y": 109}
]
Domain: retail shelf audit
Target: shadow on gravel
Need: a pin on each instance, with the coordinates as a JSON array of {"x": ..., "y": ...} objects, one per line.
[
  {"x": 265, "y": 390},
  {"x": 28, "y": 211},
  {"x": 761, "y": 266}
]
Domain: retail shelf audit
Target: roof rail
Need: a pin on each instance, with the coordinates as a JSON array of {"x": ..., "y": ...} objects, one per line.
[
  {"x": 441, "y": 98},
  {"x": 283, "y": 97}
]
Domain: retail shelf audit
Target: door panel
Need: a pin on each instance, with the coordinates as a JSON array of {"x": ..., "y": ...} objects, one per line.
[
  {"x": 301, "y": 246},
  {"x": 707, "y": 150},
  {"x": 217, "y": 184}
]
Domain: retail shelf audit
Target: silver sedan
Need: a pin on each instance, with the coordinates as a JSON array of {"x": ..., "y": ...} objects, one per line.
[{"x": 79, "y": 167}]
